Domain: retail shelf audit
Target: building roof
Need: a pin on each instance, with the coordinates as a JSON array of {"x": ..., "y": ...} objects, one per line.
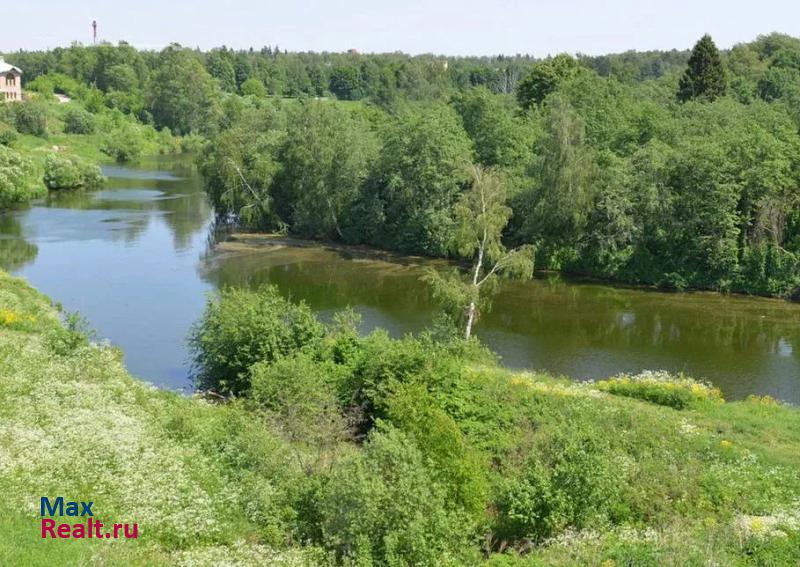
[{"x": 5, "y": 67}]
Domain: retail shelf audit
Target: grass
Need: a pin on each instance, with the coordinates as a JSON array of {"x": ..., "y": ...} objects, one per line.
[{"x": 710, "y": 483}]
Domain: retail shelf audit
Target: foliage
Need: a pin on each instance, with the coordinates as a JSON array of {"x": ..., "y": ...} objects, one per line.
[
  {"x": 69, "y": 172},
  {"x": 184, "y": 95},
  {"x": 607, "y": 176},
  {"x": 481, "y": 215},
  {"x": 253, "y": 87},
  {"x": 7, "y": 134},
  {"x": 544, "y": 79},
  {"x": 417, "y": 179},
  {"x": 240, "y": 166},
  {"x": 661, "y": 388},
  {"x": 123, "y": 143},
  {"x": 500, "y": 138},
  {"x": 30, "y": 117},
  {"x": 78, "y": 121},
  {"x": 18, "y": 178},
  {"x": 325, "y": 160},
  {"x": 241, "y": 328},
  {"x": 382, "y": 507},
  {"x": 705, "y": 78},
  {"x": 454, "y": 461}
]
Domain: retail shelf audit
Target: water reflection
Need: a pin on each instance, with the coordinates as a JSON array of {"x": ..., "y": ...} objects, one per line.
[{"x": 15, "y": 251}]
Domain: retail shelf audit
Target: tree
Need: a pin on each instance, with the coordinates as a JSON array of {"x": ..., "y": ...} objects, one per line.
[
  {"x": 345, "y": 83},
  {"x": 254, "y": 87},
  {"x": 184, "y": 96},
  {"x": 30, "y": 117},
  {"x": 242, "y": 327},
  {"x": 564, "y": 173},
  {"x": 500, "y": 138},
  {"x": 239, "y": 168},
  {"x": 418, "y": 178},
  {"x": 324, "y": 161},
  {"x": 220, "y": 66},
  {"x": 78, "y": 121},
  {"x": 481, "y": 215},
  {"x": 545, "y": 78},
  {"x": 705, "y": 77}
]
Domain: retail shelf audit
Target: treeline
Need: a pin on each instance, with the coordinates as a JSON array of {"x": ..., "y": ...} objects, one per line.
[
  {"x": 634, "y": 167},
  {"x": 685, "y": 181},
  {"x": 349, "y": 76}
]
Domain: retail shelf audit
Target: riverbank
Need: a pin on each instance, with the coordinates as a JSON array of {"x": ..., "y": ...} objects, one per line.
[
  {"x": 712, "y": 482},
  {"x": 237, "y": 241},
  {"x": 31, "y": 145}
]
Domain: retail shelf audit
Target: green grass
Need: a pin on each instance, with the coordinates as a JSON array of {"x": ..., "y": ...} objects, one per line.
[{"x": 715, "y": 482}]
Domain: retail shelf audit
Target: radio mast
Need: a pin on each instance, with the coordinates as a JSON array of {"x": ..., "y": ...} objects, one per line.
[{"x": 94, "y": 32}]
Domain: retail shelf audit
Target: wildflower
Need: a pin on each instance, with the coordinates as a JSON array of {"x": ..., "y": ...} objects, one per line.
[
  {"x": 8, "y": 317},
  {"x": 725, "y": 444}
]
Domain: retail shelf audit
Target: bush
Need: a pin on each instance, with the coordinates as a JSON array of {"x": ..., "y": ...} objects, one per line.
[
  {"x": 298, "y": 394},
  {"x": 381, "y": 506},
  {"x": 570, "y": 482},
  {"x": 7, "y": 134},
  {"x": 254, "y": 87},
  {"x": 661, "y": 388},
  {"x": 69, "y": 172},
  {"x": 31, "y": 118},
  {"x": 240, "y": 328},
  {"x": 456, "y": 465},
  {"x": 124, "y": 143},
  {"x": 78, "y": 121},
  {"x": 18, "y": 179}
]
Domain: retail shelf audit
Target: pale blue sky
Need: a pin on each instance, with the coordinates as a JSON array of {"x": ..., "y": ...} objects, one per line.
[{"x": 456, "y": 27}]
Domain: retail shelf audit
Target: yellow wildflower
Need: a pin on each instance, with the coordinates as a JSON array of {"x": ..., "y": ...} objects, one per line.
[{"x": 8, "y": 317}]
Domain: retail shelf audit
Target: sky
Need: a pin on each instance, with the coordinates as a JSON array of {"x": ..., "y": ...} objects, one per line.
[{"x": 448, "y": 27}]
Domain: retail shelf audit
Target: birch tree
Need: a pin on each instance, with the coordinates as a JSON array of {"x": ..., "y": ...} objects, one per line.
[{"x": 481, "y": 214}]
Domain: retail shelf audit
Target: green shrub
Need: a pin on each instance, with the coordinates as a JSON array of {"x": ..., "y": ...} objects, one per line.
[
  {"x": 78, "y": 121},
  {"x": 242, "y": 327},
  {"x": 75, "y": 333},
  {"x": 569, "y": 482},
  {"x": 382, "y": 506},
  {"x": 455, "y": 464},
  {"x": 7, "y": 134},
  {"x": 661, "y": 388},
  {"x": 30, "y": 117},
  {"x": 254, "y": 87},
  {"x": 69, "y": 172},
  {"x": 299, "y": 395},
  {"x": 18, "y": 178},
  {"x": 124, "y": 143}
]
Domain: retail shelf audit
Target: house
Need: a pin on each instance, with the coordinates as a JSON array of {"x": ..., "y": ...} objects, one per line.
[{"x": 10, "y": 82}]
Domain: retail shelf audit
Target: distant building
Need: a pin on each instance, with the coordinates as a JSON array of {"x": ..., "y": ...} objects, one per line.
[
  {"x": 10, "y": 82},
  {"x": 352, "y": 51}
]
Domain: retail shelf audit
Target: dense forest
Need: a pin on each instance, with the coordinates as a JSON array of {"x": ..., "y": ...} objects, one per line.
[{"x": 675, "y": 169}]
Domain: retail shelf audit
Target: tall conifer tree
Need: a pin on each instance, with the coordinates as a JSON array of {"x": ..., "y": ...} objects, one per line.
[{"x": 705, "y": 77}]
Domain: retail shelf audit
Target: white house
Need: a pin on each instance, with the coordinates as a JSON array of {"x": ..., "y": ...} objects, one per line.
[{"x": 10, "y": 82}]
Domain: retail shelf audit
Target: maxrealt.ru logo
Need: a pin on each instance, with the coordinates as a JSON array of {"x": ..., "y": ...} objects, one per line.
[{"x": 91, "y": 528}]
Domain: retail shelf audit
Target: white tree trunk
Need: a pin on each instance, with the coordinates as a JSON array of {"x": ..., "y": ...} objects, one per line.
[{"x": 470, "y": 320}]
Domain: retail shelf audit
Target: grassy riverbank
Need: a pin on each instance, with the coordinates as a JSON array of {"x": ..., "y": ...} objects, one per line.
[
  {"x": 45, "y": 144},
  {"x": 606, "y": 474}
]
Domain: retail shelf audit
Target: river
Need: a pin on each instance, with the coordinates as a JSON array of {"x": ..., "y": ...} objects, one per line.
[{"x": 137, "y": 261}]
